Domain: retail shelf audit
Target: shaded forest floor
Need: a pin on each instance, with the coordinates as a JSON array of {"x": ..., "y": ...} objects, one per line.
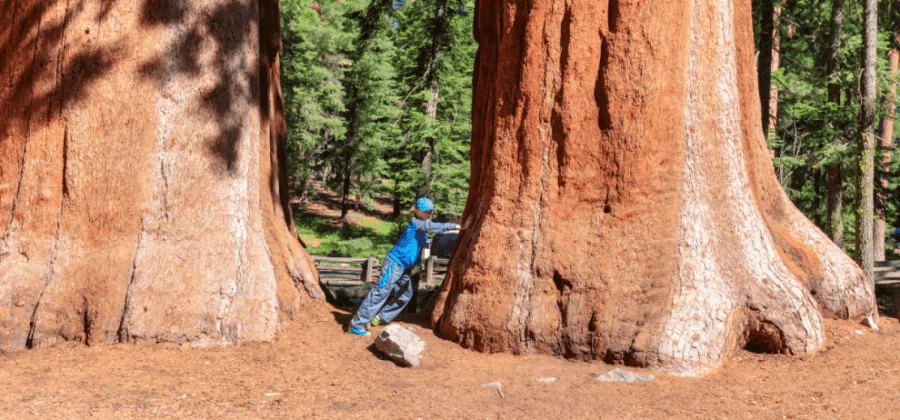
[
  {"x": 370, "y": 233},
  {"x": 315, "y": 370}
]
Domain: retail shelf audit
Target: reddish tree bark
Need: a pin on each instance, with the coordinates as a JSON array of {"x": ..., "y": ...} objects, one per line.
[
  {"x": 143, "y": 193},
  {"x": 623, "y": 206},
  {"x": 769, "y": 62}
]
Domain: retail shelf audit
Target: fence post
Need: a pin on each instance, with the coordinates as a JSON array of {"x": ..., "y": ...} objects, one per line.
[
  {"x": 364, "y": 272},
  {"x": 429, "y": 272},
  {"x": 372, "y": 273}
]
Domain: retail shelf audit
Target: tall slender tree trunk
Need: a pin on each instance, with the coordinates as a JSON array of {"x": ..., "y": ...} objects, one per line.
[
  {"x": 431, "y": 61},
  {"x": 769, "y": 62},
  {"x": 427, "y": 164},
  {"x": 817, "y": 198},
  {"x": 357, "y": 196},
  {"x": 323, "y": 175},
  {"x": 833, "y": 172},
  {"x": 865, "y": 182},
  {"x": 623, "y": 205},
  {"x": 372, "y": 20},
  {"x": 143, "y": 192},
  {"x": 396, "y": 200},
  {"x": 886, "y": 143},
  {"x": 346, "y": 183},
  {"x": 775, "y": 65},
  {"x": 834, "y": 203}
]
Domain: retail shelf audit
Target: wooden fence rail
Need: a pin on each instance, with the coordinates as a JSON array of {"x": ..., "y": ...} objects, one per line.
[
  {"x": 434, "y": 267},
  {"x": 340, "y": 271},
  {"x": 887, "y": 271}
]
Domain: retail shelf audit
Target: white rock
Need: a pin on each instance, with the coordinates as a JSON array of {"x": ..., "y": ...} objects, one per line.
[
  {"x": 401, "y": 345},
  {"x": 619, "y": 375},
  {"x": 870, "y": 322},
  {"x": 858, "y": 332},
  {"x": 549, "y": 380},
  {"x": 495, "y": 385}
]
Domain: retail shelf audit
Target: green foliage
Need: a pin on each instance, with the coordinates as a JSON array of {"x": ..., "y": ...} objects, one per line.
[
  {"x": 450, "y": 131},
  {"x": 315, "y": 47},
  {"x": 371, "y": 97},
  {"x": 371, "y": 237},
  {"x": 358, "y": 77},
  {"x": 352, "y": 76},
  {"x": 812, "y": 133}
]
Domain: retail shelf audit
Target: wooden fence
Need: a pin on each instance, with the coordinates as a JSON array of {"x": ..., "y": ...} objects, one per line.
[
  {"x": 339, "y": 271},
  {"x": 434, "y": 267},
  {"x": 887, "y": 271},
  {"x": 336, "y": 271}
]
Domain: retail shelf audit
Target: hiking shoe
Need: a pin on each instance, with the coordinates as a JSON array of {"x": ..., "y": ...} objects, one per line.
[
  {"x": 377, "y": 321},
  {"x": 357, "y": 331}
]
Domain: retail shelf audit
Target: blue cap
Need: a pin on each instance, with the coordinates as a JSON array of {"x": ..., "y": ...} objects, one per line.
[{"x": 424, "y": 204}]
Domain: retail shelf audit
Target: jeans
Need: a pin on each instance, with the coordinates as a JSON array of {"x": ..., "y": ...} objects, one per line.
[{"x": 394, "y": 281}]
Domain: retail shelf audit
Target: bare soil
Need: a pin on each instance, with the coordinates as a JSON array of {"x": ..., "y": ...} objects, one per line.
[{"x": 315, "y": 370}]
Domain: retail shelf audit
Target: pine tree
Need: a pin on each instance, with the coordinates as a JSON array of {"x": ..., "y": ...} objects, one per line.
[
  {"x": 436, "y": 66},
  {"x": 769, "y": 61},
  {"x": 370, "y": 100},
  {"x": 886, "y": 139},
  {"x": 315, "y": 42},
  {"x": 866, "y": 142},
  {"x": 834, "y": 175}
]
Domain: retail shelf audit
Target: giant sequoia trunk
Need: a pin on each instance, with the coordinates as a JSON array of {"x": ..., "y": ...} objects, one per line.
[
  {"x": 623, "y": 206},
  {"x": 142, "y": 186}
]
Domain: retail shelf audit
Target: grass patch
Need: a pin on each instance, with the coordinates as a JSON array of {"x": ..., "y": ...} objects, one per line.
[{"x": 368, "y": 237}]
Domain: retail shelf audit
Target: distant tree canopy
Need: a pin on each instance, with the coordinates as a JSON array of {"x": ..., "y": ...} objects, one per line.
[
  {"x": 814, "y": 133},
  {"x": 379, "y": 101},
  {"x": 359, "y": 79}
]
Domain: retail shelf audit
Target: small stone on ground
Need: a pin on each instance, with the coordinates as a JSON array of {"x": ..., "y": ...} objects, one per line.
[
  {"x": 401, "y": 345},
  {"x": 619, "y": 375},
  {"x": 870, "y": 322},
  {"x": 495, "y": 385}
]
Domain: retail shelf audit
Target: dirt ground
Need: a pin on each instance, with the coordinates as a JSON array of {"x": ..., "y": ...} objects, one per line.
[{"x": 315, "y": 370}]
